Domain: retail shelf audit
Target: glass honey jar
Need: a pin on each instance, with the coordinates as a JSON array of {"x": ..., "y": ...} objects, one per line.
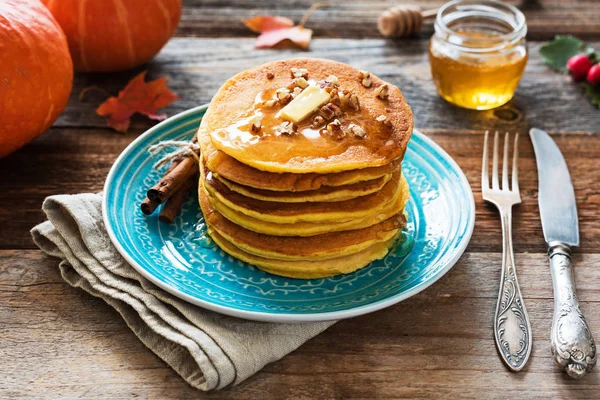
[{"x": 478, "y": 52}]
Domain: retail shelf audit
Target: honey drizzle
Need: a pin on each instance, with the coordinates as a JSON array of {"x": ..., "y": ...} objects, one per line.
[{"x": 270, "y": 145}]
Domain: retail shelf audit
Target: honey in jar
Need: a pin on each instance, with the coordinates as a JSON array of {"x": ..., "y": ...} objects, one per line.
[{"x": 478, "y": 53}]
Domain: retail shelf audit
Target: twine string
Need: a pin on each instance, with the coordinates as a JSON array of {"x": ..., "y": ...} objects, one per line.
[{"x": 183, "y": 149}]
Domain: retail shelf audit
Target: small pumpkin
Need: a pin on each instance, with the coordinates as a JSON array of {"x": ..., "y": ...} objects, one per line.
[
  {"x": 115, "y": 35},
  {"x": 36, "y": 72}
]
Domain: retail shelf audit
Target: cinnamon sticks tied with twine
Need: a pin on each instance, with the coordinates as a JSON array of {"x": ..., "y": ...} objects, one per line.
[{"x": 174, "y": 187}]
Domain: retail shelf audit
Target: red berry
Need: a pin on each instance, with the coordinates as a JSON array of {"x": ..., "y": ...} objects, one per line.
[
  {"x": 579, "y": 66},
  {"x": 593, "y": 75}
]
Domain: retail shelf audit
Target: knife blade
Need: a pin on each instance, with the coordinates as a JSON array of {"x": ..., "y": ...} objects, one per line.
[
  {"x": 572, "y": 343},
  {"x": 556, "y": 196}
]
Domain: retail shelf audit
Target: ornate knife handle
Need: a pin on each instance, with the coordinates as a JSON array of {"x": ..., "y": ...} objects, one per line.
[
  {"x": 512, "y": 330},
  {"x": 572, "y": 343}
]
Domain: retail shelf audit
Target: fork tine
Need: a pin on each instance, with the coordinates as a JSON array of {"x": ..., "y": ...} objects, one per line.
[
  {"x": 515, "y": 168},
  {"x": 505, "y": 163},
  {"x": 485, "y": 180},
  {"x": 495, "y": 183}
]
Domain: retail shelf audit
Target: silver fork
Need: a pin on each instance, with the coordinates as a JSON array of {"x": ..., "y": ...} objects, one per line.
[{"x": 512, "y": 330}]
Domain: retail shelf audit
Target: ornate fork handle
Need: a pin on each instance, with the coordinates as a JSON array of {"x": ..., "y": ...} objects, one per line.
[
  {"x": 572, "y": 343},
  {"x": 512, "y": 329}
]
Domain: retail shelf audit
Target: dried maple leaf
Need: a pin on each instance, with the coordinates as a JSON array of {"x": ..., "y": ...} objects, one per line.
[
  {"x": 263, "y": 23},
  {"x": 138, "y": 96},
  {"x": 275, "y": 30}
]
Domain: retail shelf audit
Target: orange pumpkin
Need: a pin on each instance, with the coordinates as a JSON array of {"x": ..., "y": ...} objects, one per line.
[
  {"x": 36, "y": 72},
  {"x": 115, "y": 35}
]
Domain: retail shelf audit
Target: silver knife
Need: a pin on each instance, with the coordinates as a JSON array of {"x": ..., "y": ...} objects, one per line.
[{"x": 571, "y": 340}]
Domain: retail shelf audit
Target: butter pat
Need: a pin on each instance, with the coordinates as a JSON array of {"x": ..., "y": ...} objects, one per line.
[{"x": 304, "y": 104}]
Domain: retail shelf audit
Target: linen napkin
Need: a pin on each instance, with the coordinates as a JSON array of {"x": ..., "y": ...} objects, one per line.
[{"x": 208, "y": 350}]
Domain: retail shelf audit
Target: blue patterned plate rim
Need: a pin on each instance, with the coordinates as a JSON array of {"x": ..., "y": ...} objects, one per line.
[{"x": 467, "y": 210}]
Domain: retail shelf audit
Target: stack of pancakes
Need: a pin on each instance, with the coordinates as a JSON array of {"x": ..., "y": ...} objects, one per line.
[{"x": 305, "y": 198}]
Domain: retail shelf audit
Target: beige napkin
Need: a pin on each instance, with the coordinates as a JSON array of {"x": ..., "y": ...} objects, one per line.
[{"x": 209, "y": 350}]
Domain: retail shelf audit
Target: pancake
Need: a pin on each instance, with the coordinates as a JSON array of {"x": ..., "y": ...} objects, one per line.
[
  {"x": 229, "y": 168},
  {"x": 327, "y": 194},
  {"x": 312, "y": 248},
  {"x": 290, "y": 213},
  {"x": 309, "y": 228},
  {"x": 308, "y": 269},
  {"x": 241, "y": 99}
]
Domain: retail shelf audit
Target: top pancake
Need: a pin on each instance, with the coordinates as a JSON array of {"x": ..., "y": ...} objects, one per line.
[
  {"x": 228, "y": 117},
  {"x": 229, "y": 168}
]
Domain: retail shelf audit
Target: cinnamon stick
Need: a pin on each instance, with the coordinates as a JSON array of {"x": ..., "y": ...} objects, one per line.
[
  {"x": 175, "y": 202},
  {"x": 173, "y": 181},
  {"x": 148, "y": 206}
]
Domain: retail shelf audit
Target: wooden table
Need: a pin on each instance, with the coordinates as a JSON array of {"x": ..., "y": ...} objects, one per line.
[{"x": 56, "y": 341}]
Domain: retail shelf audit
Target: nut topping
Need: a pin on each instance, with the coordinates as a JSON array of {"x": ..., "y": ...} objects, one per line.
[
  {"x": 383, "y": 92},
  {"x": 299, "y": 73},
  {"x": 334, "y": 130},
  {"x": 287, "y": 128},
  {"x": 332, "y": 80},
  {"x": 270, "y": 75},
  {"x": 384, "y": 120},
  {"x": 256, "y": 124},
  {"x": 318, "y": 121},
  {"x": 283, "y": 95},
  {"x": 330, "y": 110},
  {"x": 298, "y": 82},
  {"x": 357, "y": 131},
  {"x": 296, "y": 92},
  {"x": 270, "y": 103},
  {"x": 365, "y": 78}
]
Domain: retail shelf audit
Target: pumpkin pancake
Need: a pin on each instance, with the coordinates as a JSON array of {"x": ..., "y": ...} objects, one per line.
[
  {"x": 313, "y": 248},
  {"x": 229, "y": 168},
  {"x": 383, "y": 120},
  {"x": 327, "y": 194},
  {"x": 290, "y": 213},
  {"x": 310, "y": 228},
  {"x": 308, "y": 269}
]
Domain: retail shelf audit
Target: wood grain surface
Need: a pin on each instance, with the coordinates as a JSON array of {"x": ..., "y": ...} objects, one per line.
[{"x": 58, "y": 342}]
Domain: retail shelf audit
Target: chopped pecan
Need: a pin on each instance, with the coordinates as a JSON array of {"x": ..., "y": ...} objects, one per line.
[
  {"x": 270, "y": 103},
  {"x": 330, "y": 110},
  {"x": 317, "y": 122},
  {"x": 365, "y": 78},
  {"x": 384, "y": 120},
  {"x": 357, "y": 131},
  {"x": 283, "y": 95},
  {"x": 298, "y": 82},
  {"x": 334, "y": 96},
  {"x": 296, "y": 92},
  {"x": 256, "y": 124},
  {"x": 299, "y": 73},
  {"x": 383, "y": 92},
  {"x": 332, "y": 80},
  {"x": 287, "y": 128},
  {"x": 350, "y": 100},
  {"x": 334, "y": 130},
  {"x": 270, "y": 75}
]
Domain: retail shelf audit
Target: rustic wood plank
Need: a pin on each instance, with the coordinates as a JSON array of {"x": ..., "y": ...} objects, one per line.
[
  {"x": 437, "y": 344},
  {"x": 196, "y": 68},
  {"x": 76, "y": 160},
  {"x": 358, "y": 19}
]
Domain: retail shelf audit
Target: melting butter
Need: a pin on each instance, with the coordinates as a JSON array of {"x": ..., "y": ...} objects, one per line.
[{"x": 304, "y": 104}]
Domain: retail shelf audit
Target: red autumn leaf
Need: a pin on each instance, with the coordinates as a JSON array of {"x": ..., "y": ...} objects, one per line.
[
  {"x": 263, "y": 23},
  {"x": 275, "y": 30},
  {"x": 138, "y": 96}
]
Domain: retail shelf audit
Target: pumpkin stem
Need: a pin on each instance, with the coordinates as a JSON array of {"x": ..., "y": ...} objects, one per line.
[
  {"x": 90, "y": 88},
  {"x": 312, "y": 8}
]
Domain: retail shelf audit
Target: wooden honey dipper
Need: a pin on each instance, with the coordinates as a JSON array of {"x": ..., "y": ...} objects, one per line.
[{"x": 403, "y": 20}]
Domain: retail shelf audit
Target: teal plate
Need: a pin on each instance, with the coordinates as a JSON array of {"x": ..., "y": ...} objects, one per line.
[{"x": 182, "y": 259}]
